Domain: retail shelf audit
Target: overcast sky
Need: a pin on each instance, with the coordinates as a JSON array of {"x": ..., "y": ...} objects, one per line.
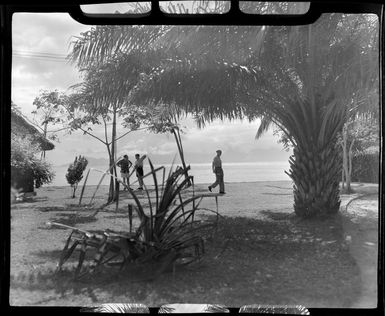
[{"x": 40, "y": 43}]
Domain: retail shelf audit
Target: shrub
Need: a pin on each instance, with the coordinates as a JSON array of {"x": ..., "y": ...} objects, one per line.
[
  {"x": 75, "y": 172},
  {"x": 366, "y": 167},
  {"x": 26, "y": 166}
]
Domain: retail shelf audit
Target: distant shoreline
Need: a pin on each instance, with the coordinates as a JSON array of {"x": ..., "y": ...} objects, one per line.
[
  {"x": 225, "y": 163},
  {"x": 196, "y": 184}
]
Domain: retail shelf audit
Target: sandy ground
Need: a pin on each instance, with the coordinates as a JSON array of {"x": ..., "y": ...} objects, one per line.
[
  {"x": 250, "y": 200},
  {"x": 360, "y": 223}
]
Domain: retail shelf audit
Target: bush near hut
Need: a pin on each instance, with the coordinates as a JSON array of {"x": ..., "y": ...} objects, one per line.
[
  {"x": 28, "y": 171},
  {"x": 75, "y": 172}
]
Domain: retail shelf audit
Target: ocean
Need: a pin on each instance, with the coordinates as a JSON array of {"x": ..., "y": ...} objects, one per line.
[{"x": 233, "y": 172}]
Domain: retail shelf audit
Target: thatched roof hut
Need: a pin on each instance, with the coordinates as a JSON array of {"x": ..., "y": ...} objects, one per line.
[
  {"x": 20, "y": 126},
  {"x": 22, "y": 180}
]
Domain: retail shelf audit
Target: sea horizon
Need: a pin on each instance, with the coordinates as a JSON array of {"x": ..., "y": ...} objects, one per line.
[{"x": 234, "y": 172}]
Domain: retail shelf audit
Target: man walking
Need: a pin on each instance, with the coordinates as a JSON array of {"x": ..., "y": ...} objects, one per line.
[
  {"x": 138, "y": 167},
  {"x": 217, "y": 169},
  {"x": 125, "y": 165}
]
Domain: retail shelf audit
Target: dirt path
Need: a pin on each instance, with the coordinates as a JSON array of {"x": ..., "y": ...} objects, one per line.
[{"x": 360, "y": 222}]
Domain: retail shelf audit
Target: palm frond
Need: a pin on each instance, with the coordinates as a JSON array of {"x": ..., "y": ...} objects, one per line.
[
  {"x": 118, "y": 308},
  {"x": 263, "y": 127}
]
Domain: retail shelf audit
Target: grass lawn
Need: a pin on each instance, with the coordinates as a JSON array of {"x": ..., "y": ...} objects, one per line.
[{"x": 266, "y": 257}]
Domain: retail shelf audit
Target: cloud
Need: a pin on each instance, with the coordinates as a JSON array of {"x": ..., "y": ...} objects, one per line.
[
  {"x": 48, "y": 33},
  {"x": 52, "y": 33}
]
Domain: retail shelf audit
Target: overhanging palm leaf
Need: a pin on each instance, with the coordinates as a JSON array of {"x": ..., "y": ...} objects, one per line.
[{"x": 301, "y": 79}]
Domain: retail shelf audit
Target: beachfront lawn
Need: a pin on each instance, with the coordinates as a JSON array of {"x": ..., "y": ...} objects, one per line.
[{"x": 274, "y": 258}]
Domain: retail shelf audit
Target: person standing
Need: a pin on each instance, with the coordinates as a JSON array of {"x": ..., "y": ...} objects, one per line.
[
  {"x": 217, "y": 169},
  {"x": 125, "y": 165},
  {"x": 138, "y": 167}
]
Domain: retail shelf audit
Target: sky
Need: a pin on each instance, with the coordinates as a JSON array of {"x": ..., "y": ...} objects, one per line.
[{"x": 40, "y": 42}]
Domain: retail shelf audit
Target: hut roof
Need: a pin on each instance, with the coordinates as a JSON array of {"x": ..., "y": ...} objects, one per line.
[{"x": 21, "y": 127}]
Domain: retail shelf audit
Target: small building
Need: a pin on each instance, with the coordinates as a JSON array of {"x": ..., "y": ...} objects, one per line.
[{"x": 23, "y": 180}]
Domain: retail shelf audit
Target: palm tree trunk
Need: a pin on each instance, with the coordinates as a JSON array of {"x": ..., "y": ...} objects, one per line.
[{"x": 315, "y": 172}]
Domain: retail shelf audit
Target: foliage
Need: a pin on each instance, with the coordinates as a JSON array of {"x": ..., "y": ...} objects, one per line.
[
  {"x": 366, "y": 167},
  {"x": 359, "y": 133},
  {"x": 305, "y": 79},
  {"x": 103, "y": 96},
  {"x": 50, "y": 111},
  {"x": 168, "y": 232},
  {"x": 202, "y": 6},
  {"x": 118, "y": 308},
  {"x": 169, "y": 223},
  {"x": 24, "y": 160},
  {"x": 365, "y": 132},
  {"x": 75, "y": 172},
  {"x": 276, "y": 80},
  {"x": 255, "y": 7}
]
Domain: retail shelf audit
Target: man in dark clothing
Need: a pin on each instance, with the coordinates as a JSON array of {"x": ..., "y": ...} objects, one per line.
[
  {"x": 125, "y": 165},
  {"x": 217, "y": 169}
]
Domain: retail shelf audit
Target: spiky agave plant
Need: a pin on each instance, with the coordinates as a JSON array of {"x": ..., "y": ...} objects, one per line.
[
  {"x": 167, "y": 234},
  {"x": 169, "y": 231}
]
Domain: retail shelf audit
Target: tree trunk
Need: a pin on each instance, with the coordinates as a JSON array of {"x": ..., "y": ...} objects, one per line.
[
  {"x": 112, "y": 195},
  {"x": 315, "y": 172},
  {"x": 345, "y": 171},
  {"x": 349, "y": 166},
  {"x": 74, "y": 187},
  {"x": 45, "y": 136}
]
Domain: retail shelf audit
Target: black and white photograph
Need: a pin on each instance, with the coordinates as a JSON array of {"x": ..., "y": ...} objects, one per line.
[{"x": 222, "y": 166}]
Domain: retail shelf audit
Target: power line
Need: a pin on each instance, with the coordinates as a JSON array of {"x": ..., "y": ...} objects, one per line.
[
  {"x": 28, "y": 52},
  {"x": 45, "y": 58},
  {"x": 40, "y": 55}
]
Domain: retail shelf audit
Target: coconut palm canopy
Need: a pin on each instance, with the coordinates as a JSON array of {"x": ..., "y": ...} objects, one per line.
[
  {"x": 296, "y": 67},
  {"x": 232, "y": 71},
  {"x": 21, "y": 127},
  {"x": 304, "y": 79}
]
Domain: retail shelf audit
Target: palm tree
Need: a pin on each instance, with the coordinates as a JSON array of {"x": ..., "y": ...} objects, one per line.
[{"x": 299, "y": 77}]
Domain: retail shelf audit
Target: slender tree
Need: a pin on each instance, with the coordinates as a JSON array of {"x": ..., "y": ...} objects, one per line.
[
  {"x": 49, "y": 111},
  {"x": 100, "y": 99}
]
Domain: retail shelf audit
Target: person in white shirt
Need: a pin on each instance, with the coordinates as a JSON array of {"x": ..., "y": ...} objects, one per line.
[
  {"x": 138, "y": 167},
  {"x": 217, "y": 169}
]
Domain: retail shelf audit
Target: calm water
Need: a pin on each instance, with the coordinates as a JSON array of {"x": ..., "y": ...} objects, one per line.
[{"x": 234, "y": 172}]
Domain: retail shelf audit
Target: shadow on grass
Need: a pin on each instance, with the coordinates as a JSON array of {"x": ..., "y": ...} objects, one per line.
[
  {"x": 53, "y": 209},
  {"x": 54, "y": 255},
  {"x": 276, "y": 215},
  {"x": 72, "y": 219},
  {"x": 117, "y": 216},
  {"x": 29, "y": 200},
  {"x": 245, "y": 260}
]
